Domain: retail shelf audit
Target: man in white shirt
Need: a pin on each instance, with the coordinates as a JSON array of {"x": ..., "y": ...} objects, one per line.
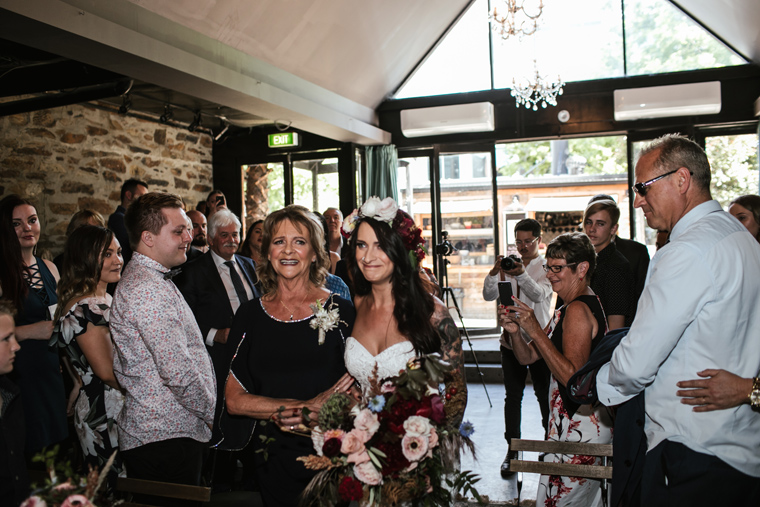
[
  {"x": 698, "y": 311},
  {"x": 530, "y": 285}
]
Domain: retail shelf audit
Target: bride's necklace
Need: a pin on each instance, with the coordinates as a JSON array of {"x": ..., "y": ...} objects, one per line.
[{"x": 292, "y": 313}]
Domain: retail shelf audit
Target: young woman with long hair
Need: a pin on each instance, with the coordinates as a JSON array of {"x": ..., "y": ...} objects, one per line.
[
  {"x": 92, "y": 259},
  {"x": 397, "y": 318},
  {"x": 29, "y": 282}
]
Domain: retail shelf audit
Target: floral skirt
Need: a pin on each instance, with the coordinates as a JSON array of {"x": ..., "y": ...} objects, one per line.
[
  {"x": 95, "y": 413},
  {"x": 590, "y": 424}
]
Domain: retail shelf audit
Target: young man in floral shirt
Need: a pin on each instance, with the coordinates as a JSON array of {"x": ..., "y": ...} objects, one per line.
[{"x": 160, "y": 357}]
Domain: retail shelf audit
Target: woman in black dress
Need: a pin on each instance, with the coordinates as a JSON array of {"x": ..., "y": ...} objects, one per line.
[
  {"x": 286, "y": 358},
  {"x": 30, "y": 283}
]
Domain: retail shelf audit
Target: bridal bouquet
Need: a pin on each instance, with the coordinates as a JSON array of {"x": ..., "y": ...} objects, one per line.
[{"x": 395, "y": 447}]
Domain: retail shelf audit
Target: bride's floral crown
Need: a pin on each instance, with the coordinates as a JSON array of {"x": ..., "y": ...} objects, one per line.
[{"x": 388, "y": 211}]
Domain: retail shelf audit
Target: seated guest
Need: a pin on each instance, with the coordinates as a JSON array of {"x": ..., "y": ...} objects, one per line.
[
  {"x": 612, "y": 279},
  {"x": 29, "y": 282},
  {"x": 160, "y": 359},
  {"x": 14, "y": 483},
  {"x": 746, "y": 209},
  {"x": 92, "y": 260},
  {"x": 565, "y": 345},
  {"x": 251, "y": 245},
  {"x": 78, "y": 219},
  {"x": 130, "y": 190},
  {"x": 281, "y": 366}
]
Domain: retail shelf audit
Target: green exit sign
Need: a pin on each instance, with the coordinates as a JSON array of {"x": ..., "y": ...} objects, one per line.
[{"x": 283, "y": 140}]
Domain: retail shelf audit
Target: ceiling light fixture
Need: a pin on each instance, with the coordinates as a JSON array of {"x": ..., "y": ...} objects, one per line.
[
  {"x": 530, "y": 93},
  {"x": 168, "y": 114},
  {"x": 126, "y": 104},
  {"x": 197, "y": 122},
  {"x": 510, "y": 18}
]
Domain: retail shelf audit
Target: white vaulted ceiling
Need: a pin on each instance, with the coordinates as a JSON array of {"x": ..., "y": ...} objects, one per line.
[
  {"x": 323, "y": 65},
  {"x": 360, "y": 49}
]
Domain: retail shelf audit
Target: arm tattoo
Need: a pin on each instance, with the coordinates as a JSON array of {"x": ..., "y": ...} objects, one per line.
[{"x": 451, "y": 342}]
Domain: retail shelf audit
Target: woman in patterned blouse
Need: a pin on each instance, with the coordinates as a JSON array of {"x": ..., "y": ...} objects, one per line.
[{"x": 92, "y": 260}]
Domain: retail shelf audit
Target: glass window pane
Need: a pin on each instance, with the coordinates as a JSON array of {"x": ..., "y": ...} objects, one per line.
[
  {"x": 565, "y": 157},
  {"x": 274, "y": 193},
  {"x": 552, "y": 181},
  {"x": 733, "y": 163},
  {"x": 661, "y": 38},
  {"x": 460, "y": 63},
  {"x": 303, "y": 185},
  {"x": 576, "y": 44},
  {"x": 315, "y": 183},
  {"x": 467, "y": 215}
]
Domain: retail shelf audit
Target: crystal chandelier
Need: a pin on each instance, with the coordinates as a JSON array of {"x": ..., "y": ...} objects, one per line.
[
  {"x": 509, "y": 18},
  {"x": 541, "y": 89}
]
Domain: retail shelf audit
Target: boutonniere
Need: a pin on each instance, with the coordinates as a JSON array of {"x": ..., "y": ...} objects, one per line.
[{"x": 325, "y": 319}]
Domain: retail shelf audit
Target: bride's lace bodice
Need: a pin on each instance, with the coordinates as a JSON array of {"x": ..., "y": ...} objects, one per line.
[{"x": 361, "y": 364}]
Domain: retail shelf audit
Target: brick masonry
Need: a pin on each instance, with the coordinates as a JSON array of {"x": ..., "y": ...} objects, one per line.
[{"x": 77, "y": 157}]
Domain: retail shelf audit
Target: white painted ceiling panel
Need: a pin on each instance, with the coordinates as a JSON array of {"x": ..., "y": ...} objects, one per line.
[
  {"x": 735, "y": 21},
  {"x": 359, "y": 49}
]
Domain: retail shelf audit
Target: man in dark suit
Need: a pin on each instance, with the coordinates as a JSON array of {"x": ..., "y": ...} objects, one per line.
[
  {"x": 199, "y": 245},
  {"x": 130, "y": 191},
  {"x": 214, "y": 286}
]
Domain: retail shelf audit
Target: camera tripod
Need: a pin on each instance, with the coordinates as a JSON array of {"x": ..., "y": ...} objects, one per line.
[{"x": 446, "y": 293}]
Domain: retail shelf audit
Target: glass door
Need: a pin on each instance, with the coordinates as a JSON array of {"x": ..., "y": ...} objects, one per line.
[{"x": 467, "y": 220}]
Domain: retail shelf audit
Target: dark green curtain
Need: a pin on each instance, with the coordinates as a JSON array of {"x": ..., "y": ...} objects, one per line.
[{"x": 382, "y": 164}]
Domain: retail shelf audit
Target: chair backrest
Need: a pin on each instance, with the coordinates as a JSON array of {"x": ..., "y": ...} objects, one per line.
[
  {"x": 603, "y": 471},
  {"x": 163, "y": 489}
]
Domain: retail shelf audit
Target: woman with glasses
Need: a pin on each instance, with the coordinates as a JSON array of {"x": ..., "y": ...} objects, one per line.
[{"x": 565, "y": 345}]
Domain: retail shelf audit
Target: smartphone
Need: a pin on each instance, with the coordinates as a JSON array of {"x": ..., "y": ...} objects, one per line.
[
  {"x": 220, "y": 200},
  {"x": 505, "y": 293}
]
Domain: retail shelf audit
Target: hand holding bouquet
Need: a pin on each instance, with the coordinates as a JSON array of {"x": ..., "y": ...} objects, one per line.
[{"x": 395, "y": 447}]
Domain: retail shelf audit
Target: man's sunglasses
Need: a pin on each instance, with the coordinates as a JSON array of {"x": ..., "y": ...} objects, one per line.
[{"x": 643, "y": 188}]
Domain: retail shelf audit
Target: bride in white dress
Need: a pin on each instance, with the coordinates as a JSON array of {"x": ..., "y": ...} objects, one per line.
[{"x": 397, "y": 318}]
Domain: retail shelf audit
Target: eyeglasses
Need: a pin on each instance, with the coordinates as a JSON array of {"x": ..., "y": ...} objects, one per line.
[
  {"x": 557, "y": 268},
  {"x": 643, "y": 188},
  {"x": 529, "y": 242}
]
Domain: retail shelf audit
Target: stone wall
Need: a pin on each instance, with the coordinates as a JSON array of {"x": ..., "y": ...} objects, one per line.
[{"x": 76, "y": 157}]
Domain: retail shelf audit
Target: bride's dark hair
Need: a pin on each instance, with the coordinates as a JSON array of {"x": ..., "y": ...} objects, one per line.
[{"x": 414, "y": 306}]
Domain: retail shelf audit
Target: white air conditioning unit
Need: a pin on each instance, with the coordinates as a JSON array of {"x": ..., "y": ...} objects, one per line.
[
  {"x": 664, "y": 101},
  {"x": 458, "y": 119}
]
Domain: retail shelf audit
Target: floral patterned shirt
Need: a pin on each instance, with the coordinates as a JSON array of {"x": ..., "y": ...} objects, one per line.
[{"x": 159, "y": 359}]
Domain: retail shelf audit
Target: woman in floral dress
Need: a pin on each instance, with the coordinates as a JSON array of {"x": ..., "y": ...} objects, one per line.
[
  {"x": 566, "y": 345},
  {"x": 92, "y": 260}
]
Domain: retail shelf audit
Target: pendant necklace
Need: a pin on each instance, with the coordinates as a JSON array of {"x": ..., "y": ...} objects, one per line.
[{"x": 292, "y": 313}]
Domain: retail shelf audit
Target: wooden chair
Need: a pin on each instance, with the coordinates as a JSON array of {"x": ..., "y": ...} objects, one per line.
[
  {"x": 197, "y": 494},
  {"x": 602, "y": 472}
]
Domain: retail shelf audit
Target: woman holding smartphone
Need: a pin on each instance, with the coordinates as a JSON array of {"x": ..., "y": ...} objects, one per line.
[{"x": 565, "y": 345}]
